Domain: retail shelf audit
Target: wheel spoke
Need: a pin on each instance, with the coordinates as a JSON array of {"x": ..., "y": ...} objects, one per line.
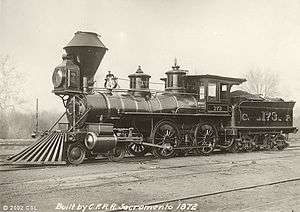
[
  {"x": 159, "y": 134},
  {"x": 159, "y": 139},
  {"x": 171, "y": 134},
  {"x": 137, "y": 149},
  {"x": 133, "y": 146}
]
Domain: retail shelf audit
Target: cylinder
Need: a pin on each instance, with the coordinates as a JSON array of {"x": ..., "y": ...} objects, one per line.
[
  {"x": 100, "y": 143},
  {"x": 100, "y": 137}
]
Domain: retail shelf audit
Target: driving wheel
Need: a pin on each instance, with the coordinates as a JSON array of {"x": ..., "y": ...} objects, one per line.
[
  {"x": 206, "y": 138},
  {"x": 165, "y": 134}
]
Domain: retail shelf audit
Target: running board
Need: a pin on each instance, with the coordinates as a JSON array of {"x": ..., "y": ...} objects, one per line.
[{"x": 48, "y": 149}]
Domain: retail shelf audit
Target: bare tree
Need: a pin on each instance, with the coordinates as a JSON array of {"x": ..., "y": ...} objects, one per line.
[
  {"x": 11, "y": 82},
  {"x": 264, "y": 83}
]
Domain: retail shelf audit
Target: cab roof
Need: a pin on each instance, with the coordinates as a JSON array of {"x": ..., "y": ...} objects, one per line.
[{"x": 229, "y": 80}]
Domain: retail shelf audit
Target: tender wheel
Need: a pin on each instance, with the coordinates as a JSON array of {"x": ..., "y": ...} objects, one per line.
[
  {"x": 235, "y": 147},
  {"x": 268, "y": 142},
  {"x": 256, "y": 146},
  {"x": 248, "y": 143},
  {"x": 206, "y": 137},
  {"x": 138, "y": 150},
  {"x": 116, "y": 154},
  {"x": 281, "y": 142},
  {"x": 227, "y": 144},
  {"x": 165, "y": 133},
  {"x": 75, "y": 154},
  {"x": 282, "y": 146}
]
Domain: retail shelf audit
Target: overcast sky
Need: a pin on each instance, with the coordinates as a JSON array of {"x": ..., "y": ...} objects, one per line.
[{"x": 225, "y": 37}]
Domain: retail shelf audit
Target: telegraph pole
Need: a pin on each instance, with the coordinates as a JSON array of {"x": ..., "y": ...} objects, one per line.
[{"x": 37, "y": 117}]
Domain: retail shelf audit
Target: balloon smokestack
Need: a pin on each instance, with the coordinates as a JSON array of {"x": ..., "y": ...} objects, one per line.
[{"x": 87, "y": 51}]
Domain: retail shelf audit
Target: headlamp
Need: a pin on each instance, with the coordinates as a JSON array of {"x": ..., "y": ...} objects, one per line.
[{"x": 57, "y": 78}]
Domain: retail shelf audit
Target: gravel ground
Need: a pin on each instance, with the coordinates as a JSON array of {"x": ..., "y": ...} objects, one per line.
[{"x": 141, "y": 181}]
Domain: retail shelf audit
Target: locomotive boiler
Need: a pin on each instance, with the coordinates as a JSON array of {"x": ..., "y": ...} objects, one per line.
[{"x": 194, "y": 114}]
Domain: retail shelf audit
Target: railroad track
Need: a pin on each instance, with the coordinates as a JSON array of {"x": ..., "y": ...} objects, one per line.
[
  {"x": 293, "y": 147},
  {"x": 97, "y": 183},
  {"x": 129, "y": 159},
  {"x": 241, "y": 163},
  {"x": 194, "y": 172},
  {"x": 197, "y": 196}
]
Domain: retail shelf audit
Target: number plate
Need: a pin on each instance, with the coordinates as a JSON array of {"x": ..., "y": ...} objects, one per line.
[{"x": 217, "y": 108}]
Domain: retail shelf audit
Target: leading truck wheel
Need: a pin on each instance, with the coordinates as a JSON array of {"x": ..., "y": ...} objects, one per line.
[
  {"x": 75, "y": 154},
  {"x": 116, "y": 154}
]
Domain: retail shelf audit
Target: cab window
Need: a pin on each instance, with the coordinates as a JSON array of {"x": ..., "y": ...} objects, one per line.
[
  {"x": 201, "y": 92},
  {"x": 223, "y": 92},
  {"x": 212, "y": 91}
]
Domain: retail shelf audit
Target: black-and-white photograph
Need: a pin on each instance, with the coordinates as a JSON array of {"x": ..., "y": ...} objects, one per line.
[{"x": 139, "y": 105}]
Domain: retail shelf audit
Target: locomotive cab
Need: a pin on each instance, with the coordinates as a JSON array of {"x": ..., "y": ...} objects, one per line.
[{"x": 212, "y": 92}]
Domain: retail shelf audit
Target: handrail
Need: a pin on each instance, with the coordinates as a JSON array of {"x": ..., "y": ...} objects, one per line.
[
  {"x": 150, "y": 90},
  {"x": 51, "y": 128},
  {"x": 85, "y": 113}
]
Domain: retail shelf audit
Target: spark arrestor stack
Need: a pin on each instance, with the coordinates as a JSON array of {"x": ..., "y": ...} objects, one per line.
[{"x": 87, "y": 49}]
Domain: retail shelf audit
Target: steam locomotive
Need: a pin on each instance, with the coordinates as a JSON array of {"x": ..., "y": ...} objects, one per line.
[{"x": 195, "y": 114}]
